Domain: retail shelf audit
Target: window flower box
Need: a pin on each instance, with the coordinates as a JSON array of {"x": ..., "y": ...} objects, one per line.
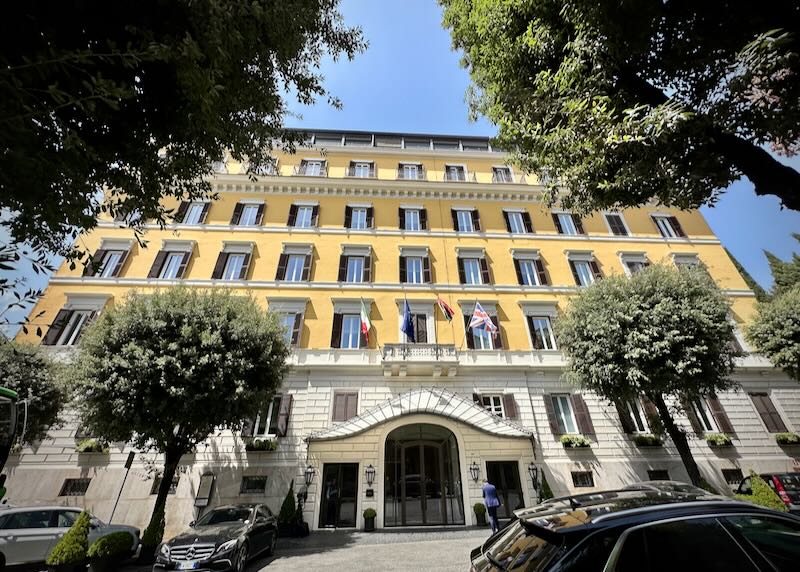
[
  {"x": 787, "y": 439},
  {"x": 257, "y": 445},
  {"x": 91, "y": 446},
  {"x": 575, "y": 442},
  {"x": 718, "y": 440},
  {"x": 648, "y": 441}
]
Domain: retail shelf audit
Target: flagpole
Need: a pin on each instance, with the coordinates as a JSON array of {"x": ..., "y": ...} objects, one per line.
[{"x": 466, "y": 325}]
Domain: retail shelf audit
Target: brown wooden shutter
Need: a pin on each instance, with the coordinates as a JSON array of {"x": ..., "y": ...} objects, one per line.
[
  {"x": 367, "y": 275},
  {"x": 625, "y": 417},
  {"x": 697, "y": 427},
  {"x": 298, "y": 319},
  {"x": 342, "y": 268},
  {"x": 719, "y": 414},
  {"x": 260, "y": 213},
  {"x": 486, "y": 278},
  {"x": 204, "y": 212},
  {"x": 93, "y": 264},
  {"x": 508, "y": 223},
  {"x": 468, "y": 333},
  {"x": 336, "y": 334},
  {"x": 181, "y": 213},
  {"x": 651, "y": 412},
  {"x": 518, "y": 269},
  {"x": 284, "y": 412},
  {"x": 476, "y": 219},
  {"x": 423, "y": 219},
  {"x": 582, "y": 416},
  {"x": 219, "y": 267},
  {"x": 557, "y": 223},
  {"x": 401, "y": 218},
  {"x": 574, "y": 272},
  {"x": 184, "y": 263},
  {"x": 247, "y": 427},
  {"x": 292, "y": 216},
  {"x": 497, "y": 340},
  {"x": 403, "y": 273},
  {"x": 237, "y": 213},
  {"x": 426, "y": 270},
  {"x": 158, "y": 263},
  {"x": 510, "y": 406},
  {"x": 551, "y": 414},
  {"x": 56, "y": 327},
  {"x": 676, "y": 226},
  {"x": 351, "y": 405},
  {"x": 420, "y": 328},
  {"x": 348, "y": 216},
  {"x": 454, "y": 213},
  {"x": 283, "y": 260},
  {"x": 769, "y": 415},
  {"x": 576, "y": 220},
  {"x": 339, "y": 404},
  {"x": 526, "y": 221},
  {"x": 595, "y": 270},
  {"x": 315, "y": 215},
  {"x": 245, "y": 270},
  {"x": 541, "y": 272},
  {"x": 306, "y": 267},
  {"x": 370, "y": 217},
  {"x": 462, "y": 275}
]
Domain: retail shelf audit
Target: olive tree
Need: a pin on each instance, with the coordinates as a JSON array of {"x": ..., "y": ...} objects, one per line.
[
  {"x": 663, "y": 333},
  {"x": 164, "y": 370}
]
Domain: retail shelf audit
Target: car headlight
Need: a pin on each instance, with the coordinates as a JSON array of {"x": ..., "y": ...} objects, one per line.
[
  {"x": 225, "y": 546},
  {"x": 164, "y": 550}
]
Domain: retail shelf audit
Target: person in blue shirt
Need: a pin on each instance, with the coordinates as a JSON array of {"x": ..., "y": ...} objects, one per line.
[{"x": 492, "y": 501}]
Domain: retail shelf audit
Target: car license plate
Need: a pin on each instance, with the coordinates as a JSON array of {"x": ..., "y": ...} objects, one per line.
[{"x": 189, "y": 565}]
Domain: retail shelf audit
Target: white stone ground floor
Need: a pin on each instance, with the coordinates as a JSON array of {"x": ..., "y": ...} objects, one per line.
[{"x": 423, "y": 436}]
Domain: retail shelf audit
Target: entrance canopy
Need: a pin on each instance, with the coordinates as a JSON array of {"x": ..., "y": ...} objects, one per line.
[{"x": 433, "y": 401}]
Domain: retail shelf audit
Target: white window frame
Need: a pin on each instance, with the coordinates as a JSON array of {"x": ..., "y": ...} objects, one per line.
[
  {"x": 244, "y": 219},
  {"x": 414, "y": 218},
  {"x": 704, "y": 416},
  {"x": 291, "y": 269},
  {"x": 606, "y": 214},
  {"x": 462, "y": 216},
  {"x": 550, "y": 339},
  {"x": 358, "y": 169},
  {"x": 664, "y": 226},
  {"x": 233, "y": 266},
  {"x": 289, "y": 306},
  {"x": 271, "y": 411},
  {"x": 358, "y": 218},
  {"x": 72, "y": 329},
  {"x": 530, "y": 265},
  {"x": 638, "y": 416},
  {"x": 684, "y": 259},
  {"x": 408, "y": 168},
  {"x": 494, "y": 405},
  {"x": 415, "y": 269},
  {"x": 109, "y": 263},
  {"x": 288, "y": 329},
  {"x": 319, "y": 165},
  {"x": 629, "y": 258},
  {"x": 353, "y": 262},
  {"x": 515, "y": 218},
  {"x": 505, "y": 169},
  {"x": 303, "y": 221},
  {"x": 425, "y": 307},
  {"x": 562, "y": 407},
  {"x": 583, "y": 264},
  {"x": 451, "y": 167},
  {"x": 347, "y": 335},
  {"x": 475, "y": 262},
  {"x": 169, "y": 270},
  {"x": 482, "y": 338},
  {"x": 193, "y": 212},
  {"x": 567, "y": 229}
]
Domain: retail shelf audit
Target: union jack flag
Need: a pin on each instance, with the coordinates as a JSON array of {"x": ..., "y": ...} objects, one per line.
[{"x": 481, "y": 320}]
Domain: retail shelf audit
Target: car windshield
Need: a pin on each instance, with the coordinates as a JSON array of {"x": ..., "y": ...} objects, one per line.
[
  {"x": 222, "y": 515},
  {"x": 516, "y": 550},
  {"x": 791, "y": 483}
]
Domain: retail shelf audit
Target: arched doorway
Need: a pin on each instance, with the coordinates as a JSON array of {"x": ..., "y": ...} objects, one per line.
[{"x": 422, "y": 477}]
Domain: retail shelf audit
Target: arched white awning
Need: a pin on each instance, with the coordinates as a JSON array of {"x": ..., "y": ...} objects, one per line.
[{"x": 433, "y": 401}]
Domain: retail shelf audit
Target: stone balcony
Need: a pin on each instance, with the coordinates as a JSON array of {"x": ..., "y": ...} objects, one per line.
[{"x": 419, "y": 359}]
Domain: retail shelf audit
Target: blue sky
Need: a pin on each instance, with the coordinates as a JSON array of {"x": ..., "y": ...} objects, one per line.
[{"x": 410, "y": 80}]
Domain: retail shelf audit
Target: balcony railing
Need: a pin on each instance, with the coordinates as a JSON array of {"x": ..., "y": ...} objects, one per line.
[
  {"x": 419, "y": 352},
  {"x": 459, "y": 176},
  {"x": 418, "y": 174}
]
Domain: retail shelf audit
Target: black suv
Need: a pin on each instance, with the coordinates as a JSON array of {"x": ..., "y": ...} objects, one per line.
[
  {"x": 224, "y": 538},
  {"x": 785, "y": 485},
  {"x": 643, "y": 529}
]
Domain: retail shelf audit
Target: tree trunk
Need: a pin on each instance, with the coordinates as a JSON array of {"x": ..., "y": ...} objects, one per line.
[
  {"x": 171, "y": 459},
  {"x": 678, "y": 437}
]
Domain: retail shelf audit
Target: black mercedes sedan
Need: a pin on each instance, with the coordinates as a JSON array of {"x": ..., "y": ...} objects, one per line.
[{"x": 223, "y": 539}]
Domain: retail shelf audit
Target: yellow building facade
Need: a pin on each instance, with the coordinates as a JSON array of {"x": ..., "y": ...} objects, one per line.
[{"x": 356, "y": 223}]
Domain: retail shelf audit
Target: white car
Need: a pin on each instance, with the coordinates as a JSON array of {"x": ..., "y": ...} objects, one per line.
[{"x": 28, "y": 534}]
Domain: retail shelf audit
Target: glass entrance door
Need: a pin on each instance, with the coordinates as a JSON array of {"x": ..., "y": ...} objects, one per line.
[
  {"x": 504, "y": 475},
  {"x": 339, "y": 494}
]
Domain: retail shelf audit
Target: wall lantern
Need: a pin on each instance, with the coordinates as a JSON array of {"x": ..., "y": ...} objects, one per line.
[
  {"x": 370, "y": 474},
  {"x": 309, "y": 475},
  {"x": 533, "y": 471},
  {"x": 474, "y": 471}
]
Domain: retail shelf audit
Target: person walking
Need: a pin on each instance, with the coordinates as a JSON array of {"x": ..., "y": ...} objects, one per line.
[{"x": 492, "y": 501}]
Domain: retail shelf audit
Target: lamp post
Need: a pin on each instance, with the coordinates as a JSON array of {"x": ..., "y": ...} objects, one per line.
[
  {"x": 474, "y": 471},
  {"x": 369, "y": 473},
  {"x": 533, "y": 471},
  {"x": 309, "y": 476}
]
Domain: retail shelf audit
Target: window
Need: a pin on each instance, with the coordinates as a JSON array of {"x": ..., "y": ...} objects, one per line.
[
  {"x": 419, "y": 323},
  {"x": 480, "y": 338},
  {"x": 567, "y": 223},
  {"x": 72, "y": 324},
  {"x": 74, "y": 487},
  {"x": 312, "y": 168},
  {"x": 633, "y": 263},
  {"x": 688, "y": 260},
  {"x": 778, "y": 540},
  {"x": 562, "y": 408},
  {"x": 455, "y": 173},
  {"x": 501, "y": 175},
  {"x": 657, "y": 475},
  {"x": 528, "y": 272},
  {"x": 616, "y": 224},
  {"x": 582, "y": 479},
  {"x": 732, "y": 476},
  {"x": 294, "y": 267},
  {"x": 172, "y": 265},
  {"x": 253, "y": 485},
  {"x": 266, "y": 422},
  {"x": 493, "y": 404},
  {"x": 410, "y": 171},
  {"x": 637, "y": 416},
  {"x": 355, "y": 269},
  {"x": 518, "y": 222},
  {"x": 304, "y": 217},
  {"x": 769, "y": 415},
  {"x": 362, "y": 169},
  {"x": 465, "y": 220},
  {"x": 542, "y": 337},
  {"x": 250, "y": 215},
  {"x": 345, "y": 406},
  {"x": 472, "y": 270},
  {"x": 173, "y": 486},
  {"x": 412, "y": 143},
  {"x": 291, "y": 327},
  {"x": 668, "y": 226},
  {"x": 704, "y": 416},
  {"x": 26, "y": 520},
  {"x": 585, "y": 272},
  {"x": 414, "y": 270},
  {"x": 412, "y": 219},
  {"x": 110, "y": 264},
  {"x": 351, "y": 331},
  {"x": 358, "y": 218},
  {"x": 194, "y": 212},
  {"x": 233, "y": 267}
]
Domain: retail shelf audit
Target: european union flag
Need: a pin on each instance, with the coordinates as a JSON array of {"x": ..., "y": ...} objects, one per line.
[{"x": 408, "y": 323}]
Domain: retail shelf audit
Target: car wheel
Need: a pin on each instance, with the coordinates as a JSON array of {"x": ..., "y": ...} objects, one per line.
[
  {"x": 272, "y": 543},
  {"x": 241, "y": 558}
]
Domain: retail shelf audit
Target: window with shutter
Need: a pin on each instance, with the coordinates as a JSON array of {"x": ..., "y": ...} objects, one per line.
[
  {"x": 768, "y": 413},
  {"x": 345, "y": 406},
  {"x": 463, "y": 220},
  {"x": 284, "y": 413},
  {"x": 266, "y": 422},
  {"x": 719, "y": 414},
  {"x": 69, "y": 326},
  {"x": 616, "y": 224},
  {"x": 566, "y": 224},
  {"x": 582, "y": 416},
  {"x": 563, "y": 414},
  {"x": 195, "y": 213},
  {"x": 493, "y": 403}
]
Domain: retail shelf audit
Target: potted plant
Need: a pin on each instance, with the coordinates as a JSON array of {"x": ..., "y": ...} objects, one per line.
[
  {"x": 107, "y": 553},
  {"x": 575, "y": 442},
  {"x": 260, "y": 445},
  {"x": 369, "y": 519},
  {"x": 647, "y": 440},
  {"x": 787, "y": 439},
  {"x": 480, "y": 513},
  {"x": 69, "y": 554},
  {"x": 151, "y": 538},
  {"x": 718, "y": 440},
  {"x": 91, "y": 445},
  {"x": 287, "y": 517}
]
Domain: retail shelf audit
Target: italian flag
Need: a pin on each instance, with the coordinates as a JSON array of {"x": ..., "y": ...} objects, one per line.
[{"x": 365, "y": 323}]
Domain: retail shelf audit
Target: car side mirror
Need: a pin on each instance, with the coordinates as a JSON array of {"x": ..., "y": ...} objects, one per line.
[{"x": 191, "y": 524}]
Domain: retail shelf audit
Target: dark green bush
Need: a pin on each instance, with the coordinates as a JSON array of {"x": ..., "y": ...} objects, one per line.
[
  {"x": 71, "y": 549},
  {"x": 370, "y": 513},
  {"x": 648, "y": 440},
  {"x": 91, "y": 446},
  {"x": 787, "y": 439},
  {"x": 763, "y": 494},
  {"x": 261, "y": 445},
  {"x": 479, "y": 508},
  {"x": 288, "y": 508},
  {"x": 114, "y": 544}
]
